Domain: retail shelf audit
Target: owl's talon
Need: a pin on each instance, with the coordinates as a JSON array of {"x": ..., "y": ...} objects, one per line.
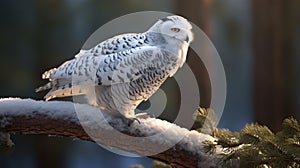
[
  {"x": 135, "y": 119},
  {"x": 131, "y": 120}
]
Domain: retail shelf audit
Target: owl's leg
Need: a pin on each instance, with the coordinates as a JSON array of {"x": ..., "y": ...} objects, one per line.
[{"x": 143, "y": 115}]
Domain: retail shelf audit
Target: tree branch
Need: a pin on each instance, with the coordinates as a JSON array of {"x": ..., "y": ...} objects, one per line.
[{"x": 184, "y": 148}]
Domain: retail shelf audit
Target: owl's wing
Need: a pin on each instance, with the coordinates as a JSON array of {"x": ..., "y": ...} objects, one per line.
[
  {"x": 89, "y": 70},
  {"x": 116, "y": 44}
]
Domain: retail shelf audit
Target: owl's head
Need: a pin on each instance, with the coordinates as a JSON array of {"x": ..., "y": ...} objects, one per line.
[{"x": 175, "y": 27}]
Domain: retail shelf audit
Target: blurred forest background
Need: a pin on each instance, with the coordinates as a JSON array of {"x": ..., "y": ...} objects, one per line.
[{"x": 258, "y": 41}]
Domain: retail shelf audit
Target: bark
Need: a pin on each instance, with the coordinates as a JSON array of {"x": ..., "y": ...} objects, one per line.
[{"x": 27, "y": 116}]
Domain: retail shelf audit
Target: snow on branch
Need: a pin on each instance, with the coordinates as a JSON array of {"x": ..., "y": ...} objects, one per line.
[{"x": 27, "y": 116}]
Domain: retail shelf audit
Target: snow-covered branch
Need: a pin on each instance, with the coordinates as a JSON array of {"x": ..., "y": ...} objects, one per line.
[{"x": 178, "y": 146}]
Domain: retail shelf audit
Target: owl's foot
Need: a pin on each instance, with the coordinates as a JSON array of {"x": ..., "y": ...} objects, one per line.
[
  {"x": 137, "y": 117},
  {"x": 130, "y": 121}
]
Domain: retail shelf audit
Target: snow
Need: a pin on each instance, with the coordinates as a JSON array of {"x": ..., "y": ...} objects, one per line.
[
  {"x": 30, "y": 107},
  {"x": 152, "y": 136}
]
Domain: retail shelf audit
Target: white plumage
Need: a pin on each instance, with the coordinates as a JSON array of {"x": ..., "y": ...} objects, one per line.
[{"x": 124, "y": 70}]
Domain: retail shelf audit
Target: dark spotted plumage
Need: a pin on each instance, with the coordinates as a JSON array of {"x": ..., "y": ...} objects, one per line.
[{"x": 123, "y": 70}]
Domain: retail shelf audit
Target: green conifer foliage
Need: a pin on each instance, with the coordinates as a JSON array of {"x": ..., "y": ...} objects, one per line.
[{"x": 255, "y": 145}]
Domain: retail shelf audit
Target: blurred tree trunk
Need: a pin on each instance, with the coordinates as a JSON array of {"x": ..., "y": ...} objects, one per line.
[
  {"x": 51, "y": 20},
  {"x": 198, "y": 12},
  {"x": 274, "y": 38}
]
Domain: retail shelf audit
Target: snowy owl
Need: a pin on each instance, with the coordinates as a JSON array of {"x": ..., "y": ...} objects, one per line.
[{"x": 124, "y": 70}]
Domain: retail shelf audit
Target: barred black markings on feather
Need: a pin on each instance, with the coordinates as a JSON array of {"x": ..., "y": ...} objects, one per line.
[{"x": 124, "y": 70}]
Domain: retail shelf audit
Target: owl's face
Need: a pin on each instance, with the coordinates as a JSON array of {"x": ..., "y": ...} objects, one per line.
[{"x": 175, "y": 27}]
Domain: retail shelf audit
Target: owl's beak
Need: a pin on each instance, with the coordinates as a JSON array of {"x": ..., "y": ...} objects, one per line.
[
  {"x": 190, "y": 37},
  {"x": 187, "y": 39}
]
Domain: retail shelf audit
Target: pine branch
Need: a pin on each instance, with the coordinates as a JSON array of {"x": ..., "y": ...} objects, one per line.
[
  {"x": 27, "y": 116},
  {"x": 257, "y": 146}
]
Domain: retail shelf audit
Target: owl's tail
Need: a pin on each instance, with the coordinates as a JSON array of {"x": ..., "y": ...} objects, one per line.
[{"x": 62, "y": 88}]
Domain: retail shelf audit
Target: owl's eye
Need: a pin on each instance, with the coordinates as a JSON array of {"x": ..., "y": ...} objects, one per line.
[{"x": 175, "y": 29}]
